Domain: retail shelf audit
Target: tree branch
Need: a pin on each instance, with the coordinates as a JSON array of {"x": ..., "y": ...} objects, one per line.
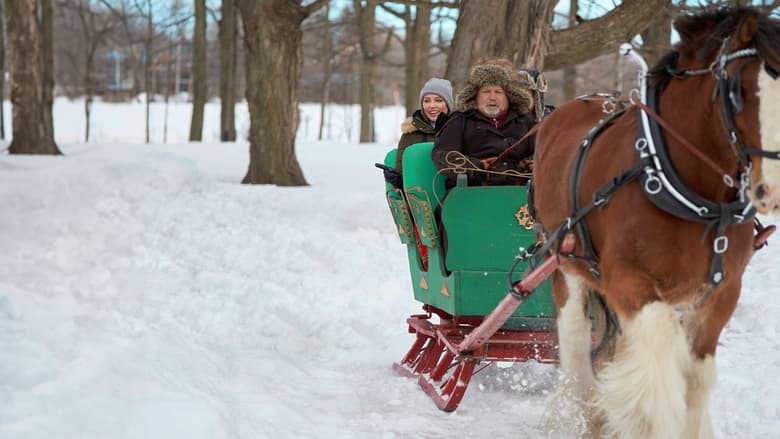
[
  {"x": 312, "y": 7},
  {"x": 432, "y": 3},
  {"x": 392, "y": 11},
  {"x": 575, "y": 45}
]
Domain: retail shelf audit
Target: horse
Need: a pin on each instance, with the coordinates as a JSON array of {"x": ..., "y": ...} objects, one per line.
[{"x": 661, "y": 196}]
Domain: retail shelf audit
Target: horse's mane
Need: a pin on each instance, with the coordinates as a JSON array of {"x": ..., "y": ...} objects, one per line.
[{"x": 702, "y": 34}]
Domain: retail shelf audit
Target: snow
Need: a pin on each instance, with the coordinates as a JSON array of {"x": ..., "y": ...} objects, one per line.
[{"x": 144, "y": 293}]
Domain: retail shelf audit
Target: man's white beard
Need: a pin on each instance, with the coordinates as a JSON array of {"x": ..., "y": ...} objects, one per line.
[{"x": 490, "y": 111}]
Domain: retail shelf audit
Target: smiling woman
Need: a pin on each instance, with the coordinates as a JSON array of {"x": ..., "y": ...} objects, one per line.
[{"x": 435, "y": 104}]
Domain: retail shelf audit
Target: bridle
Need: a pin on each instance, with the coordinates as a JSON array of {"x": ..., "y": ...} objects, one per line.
[
  {"x": 659, "y": 179},
  {"x": 730, "y": 90}
]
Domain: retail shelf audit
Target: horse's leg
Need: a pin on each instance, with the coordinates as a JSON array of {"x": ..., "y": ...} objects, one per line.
[
  {"x": 642, "y": 391},
  {"x": 704, "y": 329},
  {"x": 700, "y": 383},
  {"x": 570, "y": 411}
]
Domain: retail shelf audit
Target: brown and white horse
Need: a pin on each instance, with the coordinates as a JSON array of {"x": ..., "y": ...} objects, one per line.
[{"x": 663, "y": 201}]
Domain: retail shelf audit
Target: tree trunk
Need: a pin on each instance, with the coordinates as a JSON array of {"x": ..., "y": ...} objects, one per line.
[
  {"x": 518, "y": 31},
  {"x": 326, "y": 70},
  {"x": 88, "y": 100},
  {"x": 199, "y": 89},
  {"x": 656, "y": 39},
  {"x": 147, "y": 59},
  {"x": 416, "y": 47},
  {"x": 521, "y": 31},
  {"x": 273, "y": 38},
  {"x": 31, "y": 135},
  {"x": 168, "y": 88},
  {"x": 366, "y": 24},
  {"x": 47, "y": 50},
  {"x": 570, "y": 72},
  {"x": 529, "y": 32},
  {"x": 2, "y": 69},
  {"x": 227, "y": 71},
  {"x": 470, "y": 41}
]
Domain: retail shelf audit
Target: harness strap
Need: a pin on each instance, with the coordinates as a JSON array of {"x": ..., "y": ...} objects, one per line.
[
  {"x": 675, "y": 198},
  {"x": 685, "y": 142},
  {"x": 579, "y": 164},
  {"x": 506, "y": 152},
  {"x": 601, "y": 197}
]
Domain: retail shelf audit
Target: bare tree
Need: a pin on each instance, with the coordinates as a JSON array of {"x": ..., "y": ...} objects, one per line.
[
  {"x": 2, "y": 69},
  {"x": 366, "y": 14},
  {"x": 417, "y": 45},
  {"x": 94, "y": 26},
  {"x": 143, "y": 26},
  {"x": 273, "y": 35},
  {"x": 199, "y": 90},
  {"x": 227, "y": 70},
  {"x": 32, "y": 133},
  {"x": 47, "y": 65},
  {"x": 327, "y": 69}
]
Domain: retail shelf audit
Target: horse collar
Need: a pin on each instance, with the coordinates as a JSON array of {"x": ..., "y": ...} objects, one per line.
[{"x": 666, "y": 190}]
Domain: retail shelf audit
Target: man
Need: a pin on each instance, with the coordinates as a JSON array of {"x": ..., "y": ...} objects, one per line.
[{"x": 494, "y": 111}]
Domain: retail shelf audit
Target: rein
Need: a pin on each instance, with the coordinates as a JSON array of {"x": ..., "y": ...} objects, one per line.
[{"x": 506, "y": 152}]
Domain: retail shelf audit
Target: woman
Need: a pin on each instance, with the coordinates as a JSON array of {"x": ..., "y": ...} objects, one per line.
[{"x": 435, "y": 101}]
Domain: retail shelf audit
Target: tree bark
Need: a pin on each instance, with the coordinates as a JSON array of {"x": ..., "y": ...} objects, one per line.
[
  {"x": 656, "y": 39},
  {"x": 227, "y": 71},
  {"x": 199, "y": 89},
  {"x": 326, "y": 70},
  {"x": 518, "y": 31},
  {"x": 273, "y": 38},
  {"x": 31, "y": 132},
  {"x": 521, "y": 31},
  {"x": 592, "y": 38},
  {"x": 47, "y": 51},
  {"x": 416, "y": 47},
  {"x": 147, "y": 56},
  {"x": 2, "y": 69},
  {"x": 570, "y": 72},
  {"x": 366, "y": 24},
  {"x": 470, "y": 41}
]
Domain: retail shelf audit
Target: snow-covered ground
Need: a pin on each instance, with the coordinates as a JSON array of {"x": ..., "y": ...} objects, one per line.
[{"x": 144, "y": 293}]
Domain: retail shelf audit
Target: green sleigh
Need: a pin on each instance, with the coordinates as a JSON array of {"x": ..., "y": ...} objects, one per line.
[{"x": 487, "y": 228}]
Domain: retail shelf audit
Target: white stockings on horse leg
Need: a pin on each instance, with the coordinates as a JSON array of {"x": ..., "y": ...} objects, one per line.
[
  {"x": 642, "y": 391},
  {"x": 701, "y": 380},
  {"x": 569, "y": 412}
]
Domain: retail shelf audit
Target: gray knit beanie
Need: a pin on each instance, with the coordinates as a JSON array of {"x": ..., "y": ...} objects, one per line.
[{"x": 438, "y": 86}]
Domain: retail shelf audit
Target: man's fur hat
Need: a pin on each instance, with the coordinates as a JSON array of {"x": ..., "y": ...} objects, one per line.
[{"x": 517, "y": 85}]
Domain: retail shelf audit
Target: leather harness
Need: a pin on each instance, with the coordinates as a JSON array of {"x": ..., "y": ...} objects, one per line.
[{"x": 660, "y": 181}]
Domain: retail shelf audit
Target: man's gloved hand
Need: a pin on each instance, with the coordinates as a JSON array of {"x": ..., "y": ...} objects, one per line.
[
  {"x": 526, "y": 166},
  {"x": 486, "y": 163}
]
